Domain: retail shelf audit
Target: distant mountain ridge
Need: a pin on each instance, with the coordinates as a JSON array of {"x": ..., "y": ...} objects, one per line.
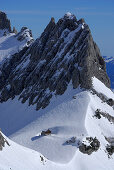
[{"x": 110, "y": 69}]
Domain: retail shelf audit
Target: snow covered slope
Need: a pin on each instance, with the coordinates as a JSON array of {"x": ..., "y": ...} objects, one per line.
[
  {"x": 20, "y": 158},
  {"x": 11, "y": 43},
  {"x": 70, "y": 115},
  {"x": 55, "y": 100},
  {"x": 110, "y": 69}
]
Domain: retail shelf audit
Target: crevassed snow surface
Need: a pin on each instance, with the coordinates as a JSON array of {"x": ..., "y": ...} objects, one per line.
[{"x": 66, "y": 116}]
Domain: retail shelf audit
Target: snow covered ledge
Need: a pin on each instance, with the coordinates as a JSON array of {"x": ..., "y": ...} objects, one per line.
[{"x": 101, "y": 88}]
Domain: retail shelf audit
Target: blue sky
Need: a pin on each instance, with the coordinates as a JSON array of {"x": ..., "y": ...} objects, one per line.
[{"x": 36, "y": 14}]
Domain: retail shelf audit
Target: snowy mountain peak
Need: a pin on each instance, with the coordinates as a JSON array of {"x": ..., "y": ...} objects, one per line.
[
  {"x": 69, "y": 15},
  {"x": 70, "y": 118},
  {"x": 25, "y": 34},
  {"x": 64, "y": 53}
]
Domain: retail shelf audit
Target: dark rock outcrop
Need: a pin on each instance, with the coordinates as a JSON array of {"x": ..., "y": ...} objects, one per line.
[
  {"x": 99, "y": 113},
  {"x": 71, "y": 141},
  {"x": 88, "y": 149},
  {"x": 2, "y": 141},
  {"x": 110, "y": 149},
  {"x": 14, "y": 30},
  {"x": 104, "y": 98},
  {"x": 64, "y": 53},
  {"x": 45, "y": 133},
  {"x": 110, "y": 102},
  {"x": 4, "y": 22},
  {"x": 110, "y": 146}
]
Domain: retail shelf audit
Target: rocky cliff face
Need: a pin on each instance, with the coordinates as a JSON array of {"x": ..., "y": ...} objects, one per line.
[
  {"x": 65, "y": 52},
  {"x": 4, "y": 22}
]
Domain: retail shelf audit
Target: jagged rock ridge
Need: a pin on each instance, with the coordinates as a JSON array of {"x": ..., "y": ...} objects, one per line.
[
  {"x": 64, "y": 52},
  {"x": 4, "y": 22},
  {"x": 2, "y": 141}
]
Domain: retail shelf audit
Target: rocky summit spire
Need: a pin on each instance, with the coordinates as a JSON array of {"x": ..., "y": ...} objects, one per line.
[
  {"x": 4, "y": 22},
  {"x": 69, "y": 15},
  {"x": 65, "y": 52},
  {"x": 14, "y": 30}
]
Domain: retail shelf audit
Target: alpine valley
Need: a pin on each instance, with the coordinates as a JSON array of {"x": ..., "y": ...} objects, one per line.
[{"x": 56, "y": 99}]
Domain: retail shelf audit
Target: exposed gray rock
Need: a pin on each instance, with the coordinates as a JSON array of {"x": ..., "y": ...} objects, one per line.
[
  {"x": 110, "y": 146},
  {"x": 2, "y": 141},
  {"x": 110, "y": 149},
  {"x": 71, "y": 141},
  {"x": 110, "y": 102},
  {"x": 4, "y": 22},
  {"x": 75, "y": 78},
  {"x": 14, "y": 30},
  {"x": 110, "y": 140},
  {"x": 99, "y": 113},
  {"x": 104, "y": 98},
  {"x": 88, "y": 149}
]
